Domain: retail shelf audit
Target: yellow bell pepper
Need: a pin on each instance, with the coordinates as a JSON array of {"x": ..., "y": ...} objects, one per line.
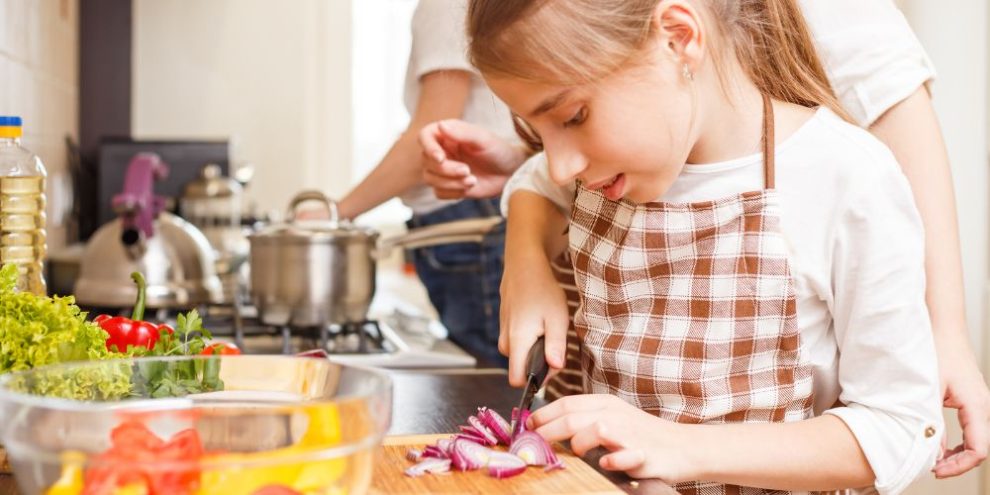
[
  {"x": 323, "y": 431},
  {"x": 70, "y": 482}
]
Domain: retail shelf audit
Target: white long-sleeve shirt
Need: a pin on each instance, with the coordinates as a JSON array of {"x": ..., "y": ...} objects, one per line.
[{"x": 856, "y": 249}]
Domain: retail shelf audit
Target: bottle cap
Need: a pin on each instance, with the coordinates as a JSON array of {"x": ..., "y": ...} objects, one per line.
[{"x": 10, "y": 126}]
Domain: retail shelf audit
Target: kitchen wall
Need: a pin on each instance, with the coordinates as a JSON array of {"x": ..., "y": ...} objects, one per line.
[
  {"x": 39, "y": 81},
  {"x": 274, "y": 79}
]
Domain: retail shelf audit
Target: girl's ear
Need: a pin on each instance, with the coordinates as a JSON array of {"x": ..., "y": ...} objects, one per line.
[{"x": 679, "y": 30}]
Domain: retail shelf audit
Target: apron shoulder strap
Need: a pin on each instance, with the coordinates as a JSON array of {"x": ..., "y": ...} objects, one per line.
[{"x": 768, "y": 143}]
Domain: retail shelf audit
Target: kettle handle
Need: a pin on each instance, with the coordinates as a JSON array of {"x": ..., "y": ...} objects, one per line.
[{"x": 312, "y": 195}]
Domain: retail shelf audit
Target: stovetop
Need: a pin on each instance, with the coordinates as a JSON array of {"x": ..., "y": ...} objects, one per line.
[{"x": 392, "y": 340}]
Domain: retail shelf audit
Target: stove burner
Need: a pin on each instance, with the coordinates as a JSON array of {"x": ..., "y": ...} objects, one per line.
[{"x": 362, "y": 337}]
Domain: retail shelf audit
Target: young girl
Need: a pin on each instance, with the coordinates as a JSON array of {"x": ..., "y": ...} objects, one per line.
[{"x": 750, "y": 265}]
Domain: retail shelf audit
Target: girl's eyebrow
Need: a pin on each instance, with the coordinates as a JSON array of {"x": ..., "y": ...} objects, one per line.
[{"x": 550, "y": 103}]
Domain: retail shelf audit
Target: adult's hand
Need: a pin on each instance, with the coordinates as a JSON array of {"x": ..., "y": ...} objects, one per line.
[
  {"x": 463, "y": 160},
  {"x": 965, "y": 390}
]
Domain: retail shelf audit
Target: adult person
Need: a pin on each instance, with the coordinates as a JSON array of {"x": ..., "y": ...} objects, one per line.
[{"x": 880, "y": 73}]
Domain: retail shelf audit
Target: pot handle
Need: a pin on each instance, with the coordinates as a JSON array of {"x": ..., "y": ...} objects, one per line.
[
  {"x": 312, "y": 195},
  {"x": 471, "y": 230}
]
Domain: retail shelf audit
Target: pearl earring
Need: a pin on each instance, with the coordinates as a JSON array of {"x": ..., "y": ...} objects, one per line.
[{"x": 687, "y": 73}]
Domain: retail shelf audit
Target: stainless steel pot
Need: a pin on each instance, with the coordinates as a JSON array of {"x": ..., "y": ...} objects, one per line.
[{"x": 314, "y": 273}]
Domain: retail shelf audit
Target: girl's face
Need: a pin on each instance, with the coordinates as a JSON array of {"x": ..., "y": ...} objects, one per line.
[{"x": 628, "y": 135}]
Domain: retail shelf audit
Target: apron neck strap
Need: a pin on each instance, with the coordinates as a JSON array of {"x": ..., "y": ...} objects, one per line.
[{"x": 767, "y": 142}]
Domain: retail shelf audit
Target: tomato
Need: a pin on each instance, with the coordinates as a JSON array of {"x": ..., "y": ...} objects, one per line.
[{"x": 221, "y": 348}]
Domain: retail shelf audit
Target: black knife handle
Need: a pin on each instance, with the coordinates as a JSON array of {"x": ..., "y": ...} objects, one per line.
[{"x": 536, "y": 363}]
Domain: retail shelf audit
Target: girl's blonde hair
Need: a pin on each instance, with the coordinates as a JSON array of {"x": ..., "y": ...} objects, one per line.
[{"x": 581, "y": 41}]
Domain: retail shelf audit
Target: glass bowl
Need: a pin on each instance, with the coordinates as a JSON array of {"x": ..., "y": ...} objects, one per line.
[{"x": 231, "y": 425}]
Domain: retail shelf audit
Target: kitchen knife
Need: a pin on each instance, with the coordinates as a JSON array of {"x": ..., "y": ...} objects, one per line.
[{"x": 536, "y": 373}]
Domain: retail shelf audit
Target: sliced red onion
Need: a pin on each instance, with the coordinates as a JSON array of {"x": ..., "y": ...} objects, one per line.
[
  {"x": 505, "y": 465},
  {"x": 429, "y": 465},
  {"x": 485, "y": 432},
  {"x": 445, "y": 444},
  {"x": 435, "y": 452},
  {"x": 414, "y": 455},
  {"x": 466, "y": 455},
  {"x": 533, "y": 449},
  {"x": 519, "y": 418},
  {"x": 496, "y": 424},
  {"x": 471, "y": 438}
]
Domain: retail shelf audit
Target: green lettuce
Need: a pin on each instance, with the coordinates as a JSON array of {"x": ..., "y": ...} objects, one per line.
[{"x": 37, "y": 330}]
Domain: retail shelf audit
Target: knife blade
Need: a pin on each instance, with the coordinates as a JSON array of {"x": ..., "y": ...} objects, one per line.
[{"x": 536, "y": 374}]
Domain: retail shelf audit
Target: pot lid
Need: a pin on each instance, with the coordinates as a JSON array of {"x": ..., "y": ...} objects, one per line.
[{"x": 211, "y": 184}]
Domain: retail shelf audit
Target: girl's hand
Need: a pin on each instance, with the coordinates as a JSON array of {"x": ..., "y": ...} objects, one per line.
[
  {"x": 464, "y": 160},
  {"x": 642, "y": 445},
  {"x": 533, "y": 304},
  {"x": 965, "y": 390}
]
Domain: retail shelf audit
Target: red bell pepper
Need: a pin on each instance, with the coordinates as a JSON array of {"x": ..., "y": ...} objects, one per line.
[
  {"x": 132, "y": 331},
  {"x": 138, "y": 456}
]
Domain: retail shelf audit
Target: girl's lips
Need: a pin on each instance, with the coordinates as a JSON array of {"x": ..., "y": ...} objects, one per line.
[
  {"x": 594, "y": 186},
  {"x": 615, "y": 190}
]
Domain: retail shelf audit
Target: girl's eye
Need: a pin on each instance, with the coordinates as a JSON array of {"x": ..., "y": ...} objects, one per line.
[{"x": 578, "y": 118}]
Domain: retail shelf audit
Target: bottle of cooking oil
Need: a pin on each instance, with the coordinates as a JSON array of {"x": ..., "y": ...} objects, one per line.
[{"x": 22, "y": 208}]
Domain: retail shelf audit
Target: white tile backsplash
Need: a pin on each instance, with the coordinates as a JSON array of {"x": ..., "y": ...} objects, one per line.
[{"x": 39, "y": 79}]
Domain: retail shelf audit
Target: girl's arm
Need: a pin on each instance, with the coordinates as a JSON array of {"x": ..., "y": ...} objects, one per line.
[
  {"x": 911, "y": 130},
  {"x": 819, "y": 454},
  {"x": 443, "y": 95},
  {"x": 533, "y": 303}
]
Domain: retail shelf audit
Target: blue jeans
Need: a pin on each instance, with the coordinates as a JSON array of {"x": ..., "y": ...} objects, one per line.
[{"x": 463, "y": 280}]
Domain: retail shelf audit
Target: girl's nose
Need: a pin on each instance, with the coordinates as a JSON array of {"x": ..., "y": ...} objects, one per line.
[{"x": 565, "y": 163}]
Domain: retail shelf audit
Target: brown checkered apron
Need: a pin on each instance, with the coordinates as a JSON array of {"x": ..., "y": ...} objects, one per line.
[
  {"x": 570, "y": 379},
  {"x": 688, "y": 310}
]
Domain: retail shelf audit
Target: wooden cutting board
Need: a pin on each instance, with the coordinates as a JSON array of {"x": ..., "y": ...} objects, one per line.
[
  {"x": 4, "y": 465},
  {"x": 389, "y": 478}
]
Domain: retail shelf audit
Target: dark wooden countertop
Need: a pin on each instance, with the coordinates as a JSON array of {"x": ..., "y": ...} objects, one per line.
[{"x": 439, "y": 401}]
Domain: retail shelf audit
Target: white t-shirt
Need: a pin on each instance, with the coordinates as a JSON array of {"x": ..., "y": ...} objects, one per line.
[
  {"x": 856, "y": 248},
  {"x": 439, "y": 42}
]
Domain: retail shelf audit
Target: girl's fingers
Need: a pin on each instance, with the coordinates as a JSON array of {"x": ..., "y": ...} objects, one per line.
[
  {"x": 623, "y": 460},
  {"x": 580, "y": 427},
  {"x": 568, "y": 405},
  {"x": 523, "y": 336},
  {"x": 556, "y": 339}
]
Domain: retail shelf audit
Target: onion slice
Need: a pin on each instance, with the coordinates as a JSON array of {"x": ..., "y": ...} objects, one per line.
[
  {"x": 471, "y": 438},
  {"x": 505, "y": 465},
  {"x": 445, "y": 444},
  {"x": 496, "y": 424},
  {"x": 483, "y": 430},
  {"x": 466, "y": 455},
  {"x": 429, "y": 465},
  {"x": 414, "y": 454},
  {"x": 435, "y": 452},
  {"x": 519, "y": 418},
  {"x": 533, "y": 449}
]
